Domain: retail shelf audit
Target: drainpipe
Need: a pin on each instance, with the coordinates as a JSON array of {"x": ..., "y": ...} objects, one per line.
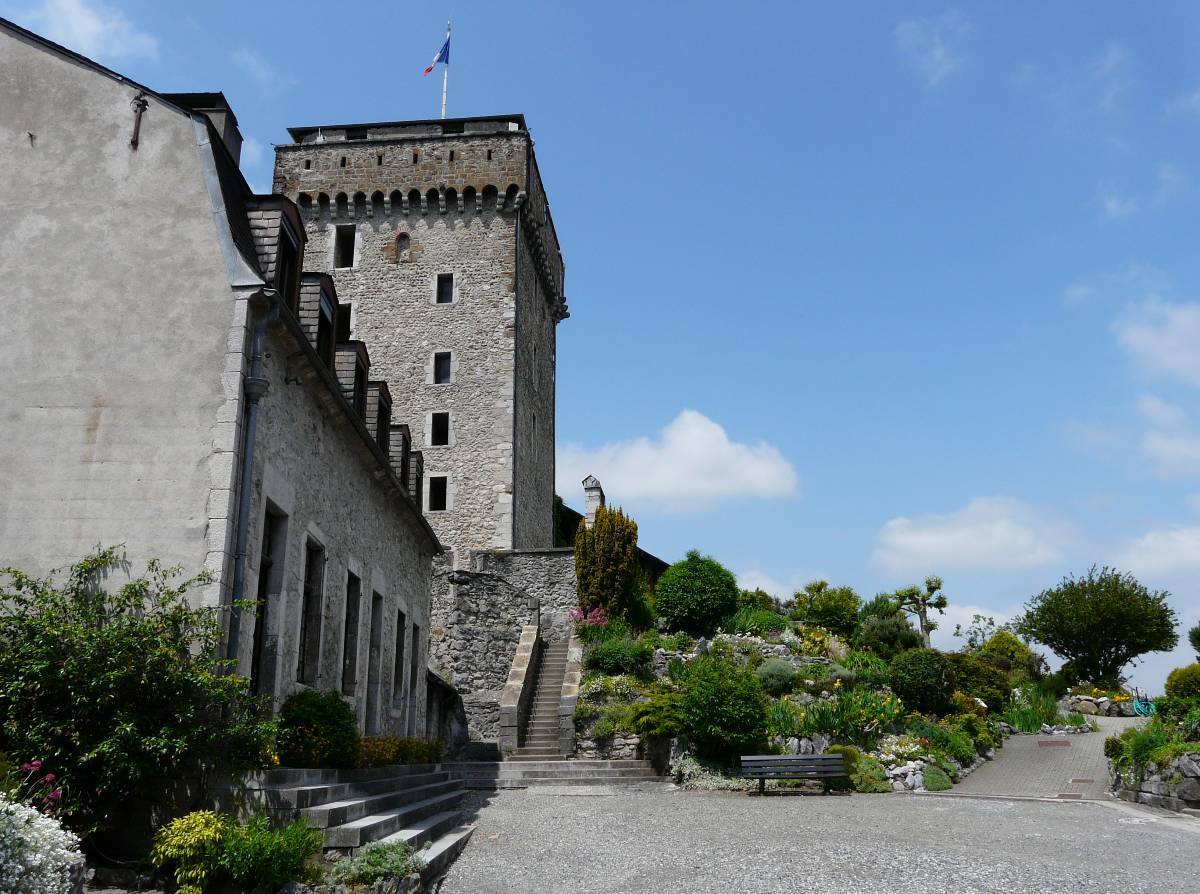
[{"x": 254, "y": 386}]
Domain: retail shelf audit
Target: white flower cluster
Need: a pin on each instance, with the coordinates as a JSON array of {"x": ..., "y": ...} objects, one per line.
[
  {"x": 35, "y": 851},
  {"x": 896, "y": 750}
]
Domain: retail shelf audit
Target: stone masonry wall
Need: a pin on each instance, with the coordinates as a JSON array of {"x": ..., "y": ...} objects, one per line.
[
  {"x": 546, "y": 575},
  {"x": 311, "y": 465}
]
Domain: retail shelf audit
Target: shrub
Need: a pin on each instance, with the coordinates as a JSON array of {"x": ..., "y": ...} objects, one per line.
[
  {"x": 1030, "y": 708},
  {"x": 254, "y": 855},
  {"x": 1008, "y": 653},
  {"x": 376, "y": 862},
  {"x": 924, "y": 680},
  {"x": 1194, "y": 640},
  {"x": 383, "y": 751},
  {"x": 615, "y": 628},
  {"x": 1055, "y": 684},
  {"x": 980, "y": 679},
  {"x": 858, "y": 716},
  {"x": 696, "y": 595},
  {"x": 756, "y": 621},
  {"x": 869, "y": 777},
  {"x": 776, "y": 676},
  {"x": 887, "y": 636},
  {"x": 951, "y": 741},
  {"x": 317, "y": 730},
  {"x": 723, "y": 708},
  {"x": 117, "y": 690},
  {"x": 1184, "y": 682},
  {"x": 833, "y": 608},
  {"x": 207, "y": 849},
  {"x": 619, "y": 656},
  {"x": 35, "y": 850},
  {"x": 1182, "y": 713},
  {"x": 936, "y": 779},
  {"x": 850, "y": 758},
  {"x": 961, "y": 703},
  {"x": 607, "y": 567},
  {"x": 660, "y": 715},
  {"x": 757, "y": 598}
]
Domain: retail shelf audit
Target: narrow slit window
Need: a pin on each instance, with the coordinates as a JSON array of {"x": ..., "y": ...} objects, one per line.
[
  {"x": 343, "y": 323},
  {"x": 439, "y": 434},
  {"x": 343, "y": 246},
  {"x": 350, "y": 637},
  {"x": 437, "y": 493},
  {"x": 445, "y": 288},
  {"x": 416, "y": 157},
  {"x": 452, "y": 155},
  {"x": 342, "y": 163},
  {"x": 441, "y": 368},
  {"x": 308, "y": 164},
  {"x": 325, "y": 330},
  {"x": 310, "y": 617},
  {"x": 398, "y": 665},
  {"x": 489, "y": 155},
  {"x": 379, "y": 159}
]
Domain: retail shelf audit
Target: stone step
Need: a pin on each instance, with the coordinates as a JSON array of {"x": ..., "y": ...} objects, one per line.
[
  {"x": 339, "y": 813},
  {"x": 429, "y": 829},
  {"x": 546, "y": 724},
  {"x": 315, "y": 795},
  {"x": 443, "y": 852},
  {"x": 628, "y": 772},
  {"x": 516, "y": 782},
  {"x": 462, "y": 767},
  {"x": 387, "y": 822},
  {"x": 295, "y": 777}
]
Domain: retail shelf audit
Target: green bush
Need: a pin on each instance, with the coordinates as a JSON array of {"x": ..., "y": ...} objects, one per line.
[
  {"x": 660, "y": 715},
  {"x": 317, "y": 730},
  {"x": 614, "y": 628},
  {"x": 980, "y": 679},
  {"x": 696, "y": 595},
  {"x": 859, "y": 716},
  {"x": 376, "y": 862},
  {"x": 833, "y": 608},
  {"x": 949, "y": 740},
  {"x": 723, "y": 709},
  {"x": 1184, "y": 682},
  {"x": 887, "y": 636},
  {"x": 115, "y": 691},
  {"x": 869, "y": 776},
  {"x": 205, "y": 849},
  {"x": 760, "y": 599},
  {"x": 868, "y": 670},
  {"x": 1182, "y": 713},
  {"x": 384, "y": 751},
  {"x": 936, "y": 779},
  {"x": 1008, "y": 653},
  {"x": 1030, "y": 708},
  {"x": 924, "y": 679},
  {"x": 776, "y": 676},
  {"x": 1055, "y": 685},
  {"x": 619, "y": 656},
  {"x": 1194, "y": 640},
  {"x": 756, "y": 621}
]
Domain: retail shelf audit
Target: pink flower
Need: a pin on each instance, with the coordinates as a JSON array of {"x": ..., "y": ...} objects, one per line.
[
  {"x": 35, "y": 765},
  {"x": 49, "y": 779},
  {"x": 55, "y": 795},
  {"x": 27, "y": 767}
]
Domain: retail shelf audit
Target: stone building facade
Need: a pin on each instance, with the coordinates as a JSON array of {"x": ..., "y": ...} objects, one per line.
[
  {"x": 439, "y": 238},
  {"x": 173, "y": 382}
]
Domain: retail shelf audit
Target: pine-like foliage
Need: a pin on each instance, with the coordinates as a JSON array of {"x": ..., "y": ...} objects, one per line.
[{"x": 606, "y": 563}]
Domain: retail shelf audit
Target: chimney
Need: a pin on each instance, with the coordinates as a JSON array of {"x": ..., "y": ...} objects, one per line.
[
  {"x": 215, "y": 107},
  {"x": 594, "y": 494}
]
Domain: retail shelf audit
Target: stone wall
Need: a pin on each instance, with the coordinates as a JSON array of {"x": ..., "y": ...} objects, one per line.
[
  {"x": 319, "y": 472},
  {"x": 1175, "y": 786},
  {"x": 546, "y": 575}
]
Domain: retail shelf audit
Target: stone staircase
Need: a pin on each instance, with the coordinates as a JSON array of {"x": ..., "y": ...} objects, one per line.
[
  {"x": 417, "y": 804},
  {"x": 540, "y": 737},
  {"x": 528, "y": 773}
]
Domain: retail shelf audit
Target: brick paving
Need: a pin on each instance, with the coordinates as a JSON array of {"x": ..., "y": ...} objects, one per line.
[{"x": 1028, "y": 767}]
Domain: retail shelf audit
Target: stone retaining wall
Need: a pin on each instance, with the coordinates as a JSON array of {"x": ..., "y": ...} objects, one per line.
[{"x": 1175, "y": 786}]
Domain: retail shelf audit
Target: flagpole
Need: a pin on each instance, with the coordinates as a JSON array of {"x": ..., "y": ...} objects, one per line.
[{"x": 445, "y": 74}]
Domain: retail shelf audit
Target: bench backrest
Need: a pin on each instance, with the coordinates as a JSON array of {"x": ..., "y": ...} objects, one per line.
[{"x": 814, "y": 765}]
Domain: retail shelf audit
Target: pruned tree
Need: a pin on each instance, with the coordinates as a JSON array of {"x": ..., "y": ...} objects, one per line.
[{"x": 918, "y": 602}]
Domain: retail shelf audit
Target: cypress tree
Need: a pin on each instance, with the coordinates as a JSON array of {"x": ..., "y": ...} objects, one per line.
[{"x": 607, "y": 570}]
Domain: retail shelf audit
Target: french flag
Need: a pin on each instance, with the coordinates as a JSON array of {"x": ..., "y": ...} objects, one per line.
[{"x": 443, "y": 55}]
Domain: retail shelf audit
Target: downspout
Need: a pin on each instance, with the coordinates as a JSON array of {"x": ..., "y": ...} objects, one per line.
[{"x": 254, "y": 386}]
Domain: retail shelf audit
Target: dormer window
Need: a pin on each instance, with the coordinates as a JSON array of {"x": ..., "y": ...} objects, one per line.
[
  {"x": 287, "y": 267},
  {"x": 325, "y": 328}
]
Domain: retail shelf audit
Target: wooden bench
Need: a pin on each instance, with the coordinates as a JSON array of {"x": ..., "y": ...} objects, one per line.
[{"x": 824, "y": 767}]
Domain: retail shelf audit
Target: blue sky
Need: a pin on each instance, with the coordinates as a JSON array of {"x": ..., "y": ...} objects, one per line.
[{"x": 862, "y": 293}]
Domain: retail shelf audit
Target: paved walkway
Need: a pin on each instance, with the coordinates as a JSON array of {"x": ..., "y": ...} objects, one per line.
[
  {"x": 634, "y": 839},
  {"x": 1048, "y": 766}
]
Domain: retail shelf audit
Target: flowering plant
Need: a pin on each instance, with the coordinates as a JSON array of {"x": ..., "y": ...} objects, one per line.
[
  {"x": 896, "y": 750},
  {"x": 597, "y": 617},
  {"x": 40, "y": 790},
  {"x": 36, "y": 853}
]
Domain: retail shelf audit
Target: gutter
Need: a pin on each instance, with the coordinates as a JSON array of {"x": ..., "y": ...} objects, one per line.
[{"x": 255, "y": 387}]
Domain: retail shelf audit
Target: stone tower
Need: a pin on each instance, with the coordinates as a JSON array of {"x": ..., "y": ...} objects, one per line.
[{"x": 439, "y": 238}]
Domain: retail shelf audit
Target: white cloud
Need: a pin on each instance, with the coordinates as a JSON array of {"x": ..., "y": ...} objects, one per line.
[
  {"x": 691, "y": 465},
  {"x": 1173, "y": 455},
  {"x": 1110, "y": 75},
  {"x": 989, "y": 532},
  {"x": 928, "y": 44},
  {"x": 92, "y": 28},
  {"x": 1185, "y": 104},
  {"x": 956, "y": 614},
  {"x": 1164, "y": 551},
  {"x": 1161, "y": 413},
  {"x": 1163, "y": 338},
  {"x": 760, "y": 580},
  {"x": 262, "y": 71},
  {"x": 1115, "y": 206}
]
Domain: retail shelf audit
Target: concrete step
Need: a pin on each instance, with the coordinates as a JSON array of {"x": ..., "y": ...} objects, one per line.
[
  {"x": 296, "y": 777},
  {"x": 374, "y": 826},
  {"x": 339, "y": 813},
  {"x": 276, "y": 799},
  {"x": 462, "y": 767},
  {"x": 443, "y": 852},
  {"x": 519, "y": 772},
  {"x": 429, "y": 829},
  {"x": 507, "y": 782}
]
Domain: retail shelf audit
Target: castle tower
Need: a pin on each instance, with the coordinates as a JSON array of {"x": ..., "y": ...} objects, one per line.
[{"x": 439, "y": 238}]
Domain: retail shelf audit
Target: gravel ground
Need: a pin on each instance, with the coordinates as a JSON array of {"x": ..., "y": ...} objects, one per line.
[{"x": 657, "y": 838}]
